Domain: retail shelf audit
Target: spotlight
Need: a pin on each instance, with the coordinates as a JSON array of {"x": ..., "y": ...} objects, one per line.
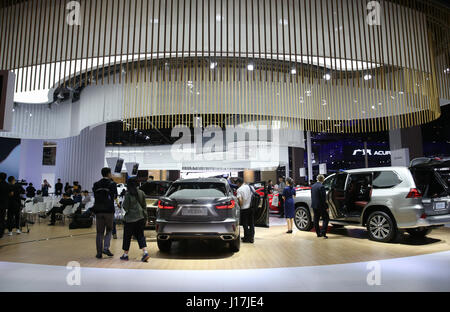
[
  {"x": 250, "y": 67},
  {"x": 327, "y": 77},
  {"x": 367, "y": 77},
  {"x": 293, "y": 71},
  {"x": 213, "y": 65}
]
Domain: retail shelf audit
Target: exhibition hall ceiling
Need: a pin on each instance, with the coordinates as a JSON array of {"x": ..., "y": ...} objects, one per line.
[{"x": 340, "y": 66}]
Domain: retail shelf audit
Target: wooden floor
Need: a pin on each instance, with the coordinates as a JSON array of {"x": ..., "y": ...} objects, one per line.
[{"x": 272, "y": 249}]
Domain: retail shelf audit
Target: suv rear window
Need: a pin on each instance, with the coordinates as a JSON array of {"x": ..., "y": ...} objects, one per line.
[
  {"x": 156, "y": 188},
  {"x": 385, "y": 179},
  {"x": 196, "y": 190}
]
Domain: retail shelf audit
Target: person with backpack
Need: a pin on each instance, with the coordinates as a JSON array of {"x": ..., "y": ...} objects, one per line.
[
  {"x": 244, "y": 196},
  {"x": 289, "y": 205},
  {"x": 135, "y": 219},
  {"x": 105, "y": 193}
]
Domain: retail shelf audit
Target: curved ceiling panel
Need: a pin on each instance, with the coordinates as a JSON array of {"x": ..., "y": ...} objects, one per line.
[{"x": 350, "y": 55}]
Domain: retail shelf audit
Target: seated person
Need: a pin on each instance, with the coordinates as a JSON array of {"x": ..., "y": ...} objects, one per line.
[
  {"x": 64, "y": 202},
  {"x": 38, "y": 198},
  {"x": 77, "y": 198},
  {"x": 86, "y": 198}
]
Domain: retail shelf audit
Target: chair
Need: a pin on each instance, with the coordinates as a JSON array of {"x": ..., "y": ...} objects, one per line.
[
  {"x": 75, "y": 207},
  {"x": 67, "y": 213},
  {"x": 41, "y": 210},
  {"x": 29, "y": 209}
]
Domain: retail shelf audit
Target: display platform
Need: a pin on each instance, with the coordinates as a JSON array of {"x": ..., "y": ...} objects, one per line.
[{"x": 273, "y": 248}]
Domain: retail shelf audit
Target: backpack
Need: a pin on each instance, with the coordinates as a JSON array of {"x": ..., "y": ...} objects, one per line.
[
  {"x": 103, "y": 198},
  {"x": 81, "y": 222}
]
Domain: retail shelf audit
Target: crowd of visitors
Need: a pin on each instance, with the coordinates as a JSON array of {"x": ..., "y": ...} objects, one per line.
[{"x": 106, "y": 200}]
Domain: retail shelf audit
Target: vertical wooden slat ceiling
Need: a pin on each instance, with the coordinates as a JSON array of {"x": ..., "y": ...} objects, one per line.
[{"x": 311, "y": 64}]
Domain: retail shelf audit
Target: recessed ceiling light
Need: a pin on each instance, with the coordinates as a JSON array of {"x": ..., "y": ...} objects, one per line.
[
  {"x": 367, "y": 77},
  {"x": 293, "y": 71},
  {"x": 213, "y": 65},
  {"x": 250, "y": 67},
  {"x": 327, "y": 77},
  {"x": 219, "y": 18}
]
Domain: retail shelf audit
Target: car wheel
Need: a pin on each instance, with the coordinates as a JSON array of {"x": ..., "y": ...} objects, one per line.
[
  {"x": 381, "y": 227},
  {"x": 418, "y": 233},
  {"x": 164, "y": 245},
  {"x": 235, "y": 245},
  {"x": 302, "y": 219}
]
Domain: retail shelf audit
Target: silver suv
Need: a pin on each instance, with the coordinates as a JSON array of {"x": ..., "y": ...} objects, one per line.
[
  {"x": 385, "y": 200},
  {"x": 198, "y": 209}
]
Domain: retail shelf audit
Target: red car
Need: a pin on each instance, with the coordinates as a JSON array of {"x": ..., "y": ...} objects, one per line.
[{"x": 276, "y": 208}]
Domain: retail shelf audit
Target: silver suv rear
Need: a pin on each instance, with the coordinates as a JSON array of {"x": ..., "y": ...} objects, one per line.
[
  {"x": 384, "y": 200},
  {"x": 198, "y": 209}
]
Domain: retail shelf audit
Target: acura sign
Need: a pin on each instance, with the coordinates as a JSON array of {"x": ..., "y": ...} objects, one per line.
[{"x": 362, "y": 152}]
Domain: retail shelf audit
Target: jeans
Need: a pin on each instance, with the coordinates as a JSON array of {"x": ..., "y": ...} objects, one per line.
[
  {"x": 248, "y": 222},
  {"x": 104, "y": 222},
  {"x": 135, "y": 229}
]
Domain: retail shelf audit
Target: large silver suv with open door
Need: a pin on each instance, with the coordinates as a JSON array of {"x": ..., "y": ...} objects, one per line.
[
  {"x": 198, "y": 209},
  {"x": 385, "y": 200}
]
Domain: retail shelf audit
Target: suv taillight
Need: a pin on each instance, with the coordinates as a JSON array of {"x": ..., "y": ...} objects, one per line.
[
  {"x": 414, "y": 193},
  {"x": 230, "y": 205},
  {"x": 162, "y": 205}
]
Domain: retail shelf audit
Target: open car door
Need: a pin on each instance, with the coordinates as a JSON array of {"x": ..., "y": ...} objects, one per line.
[{"x": 431, "y": 176}]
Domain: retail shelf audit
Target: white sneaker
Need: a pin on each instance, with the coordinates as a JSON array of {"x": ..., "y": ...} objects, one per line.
[
  {"x": 10, "y": 234},
  {"x": 18, "y": 232}
]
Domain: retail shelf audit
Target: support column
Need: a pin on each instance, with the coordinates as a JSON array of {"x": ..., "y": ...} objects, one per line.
[
  {"x": 81, "y": 158},
  {"x": 298, "y": 157},
  {"x": 309, "y": 159},
  {"x": 405, "y": 145}
]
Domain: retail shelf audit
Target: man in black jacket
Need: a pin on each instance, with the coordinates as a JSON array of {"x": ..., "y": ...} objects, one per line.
[
  {"x": 4, "y": 200},
  {"x": 319, "y": 205},
  {"x": 105, "y": 193},
  {"x": 15, "y": 205},
  {"x": 58, "y": 188}
]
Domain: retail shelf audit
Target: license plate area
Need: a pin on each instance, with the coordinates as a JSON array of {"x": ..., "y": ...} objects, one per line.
[
  {"x": 440, "y": 206},
  {"x": 194, "y": 211}
]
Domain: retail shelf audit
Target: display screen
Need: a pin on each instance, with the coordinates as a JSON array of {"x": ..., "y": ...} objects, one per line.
[
  {"x": 119, "y": 165},
  {"x": 135, "y": 170}
]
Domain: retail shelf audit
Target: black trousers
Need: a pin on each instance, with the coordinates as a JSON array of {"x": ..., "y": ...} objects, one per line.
[
  {"x": 321, "y": 213},
  {"x": 134, "y": 229},
  {"x": 53, "y": 213},
  {"x": 281, "y": 200},
  {"x": 13, "y": 218},
  {"x": 248, "y": 222},
  {"x": 2, "y": 221}
]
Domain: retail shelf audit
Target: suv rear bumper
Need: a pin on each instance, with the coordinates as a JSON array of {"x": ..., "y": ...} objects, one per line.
[
  {"x": 432, "y": 221},
  {"x": 224, "y": 230}
]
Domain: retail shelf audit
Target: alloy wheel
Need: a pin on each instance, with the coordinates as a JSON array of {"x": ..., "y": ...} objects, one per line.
[
  {"x": 379, "y": 227},
  {"x": 301, "y": 218}
]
